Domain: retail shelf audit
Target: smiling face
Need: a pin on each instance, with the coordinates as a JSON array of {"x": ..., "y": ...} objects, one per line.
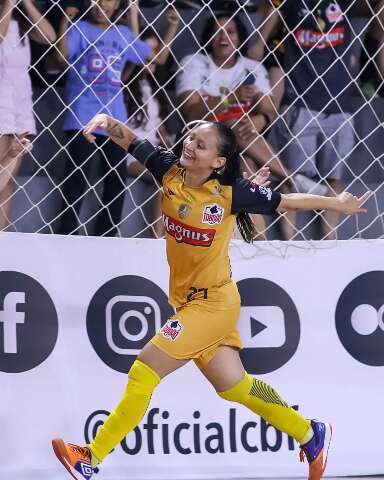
[
  {"x": 226, "y": 39},
  {"x": 201, "y": 151},
  {"x": 103, "y": 10}
]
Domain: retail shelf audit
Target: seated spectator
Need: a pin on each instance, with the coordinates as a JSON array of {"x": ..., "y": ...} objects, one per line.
[
  {"x": 225, "y": 85},
  {"x": 372, "y": 55},
  {"x": 96, "y": 47},
  {"x": 18, "y": 23},
  {"x": 315, "y": 133}
]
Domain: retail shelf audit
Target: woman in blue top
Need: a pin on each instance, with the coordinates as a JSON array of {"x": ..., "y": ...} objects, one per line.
[{"x": 96, "y": 48}]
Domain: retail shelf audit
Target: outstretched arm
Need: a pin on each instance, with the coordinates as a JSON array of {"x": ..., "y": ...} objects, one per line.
[
  {"x": 116, "y": 130},
  {"x": 343, "y": 203}
]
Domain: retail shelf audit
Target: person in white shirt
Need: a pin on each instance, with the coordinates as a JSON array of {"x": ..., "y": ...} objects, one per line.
[{"x": 222, "y": 84}]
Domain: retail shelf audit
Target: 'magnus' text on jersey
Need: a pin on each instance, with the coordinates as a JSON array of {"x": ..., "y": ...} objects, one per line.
[{"x": 199, "y": 222}]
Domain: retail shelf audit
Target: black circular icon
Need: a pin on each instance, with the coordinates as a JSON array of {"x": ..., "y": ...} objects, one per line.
[
  {"x": 360, "y": 318},
  {"x": 123, "y": 316},
  {"x": 28, "y": 323},
  {"x": 269, "y": 325}
]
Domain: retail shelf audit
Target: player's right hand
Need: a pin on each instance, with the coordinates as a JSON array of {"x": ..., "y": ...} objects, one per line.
[{"x": 99, "y": 121}]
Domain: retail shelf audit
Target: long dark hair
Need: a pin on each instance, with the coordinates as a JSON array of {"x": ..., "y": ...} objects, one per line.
[
  {"x": 133, "y": 94},
  {"x": 232, "y": 171},
  {"x": 211, "y": 25}
]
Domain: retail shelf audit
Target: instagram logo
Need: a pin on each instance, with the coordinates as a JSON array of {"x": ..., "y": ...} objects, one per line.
[
  {"x": 123, "y": 315},
  {"x": 141, "y": 317}
]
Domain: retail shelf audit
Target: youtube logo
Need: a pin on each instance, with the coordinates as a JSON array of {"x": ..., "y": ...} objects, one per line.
[{"x": 269, "y": 325}]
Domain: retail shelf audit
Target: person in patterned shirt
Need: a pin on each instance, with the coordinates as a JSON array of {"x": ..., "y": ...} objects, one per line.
[{"x": 204, "y": 194}]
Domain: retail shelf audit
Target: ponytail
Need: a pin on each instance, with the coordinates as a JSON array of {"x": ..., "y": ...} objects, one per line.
[{"x": 232, "y": 171}]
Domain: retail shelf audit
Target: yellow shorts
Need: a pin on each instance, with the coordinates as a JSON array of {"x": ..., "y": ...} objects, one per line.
[{"x": 201, "y": 326}]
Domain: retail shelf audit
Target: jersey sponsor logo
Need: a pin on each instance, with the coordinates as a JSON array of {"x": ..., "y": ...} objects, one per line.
[
  {"x": 265, "y": 191},
  {"x": 213, "y": 214},
  {"x": 172, "y": 329},
  {"x": 184, "y": 210},
  {"x": 310, "y": 38},
  {"x": 183, "y": 233},
  {"x": 334, "y": 13}
]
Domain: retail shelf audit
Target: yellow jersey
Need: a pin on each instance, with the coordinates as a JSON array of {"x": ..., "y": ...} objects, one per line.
[{"x": 199, "y": 222}]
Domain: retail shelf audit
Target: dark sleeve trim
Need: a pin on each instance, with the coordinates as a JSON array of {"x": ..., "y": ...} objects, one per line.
[
  {"x": 142, "y": 150},
  {"x": 251, "y": 198}
]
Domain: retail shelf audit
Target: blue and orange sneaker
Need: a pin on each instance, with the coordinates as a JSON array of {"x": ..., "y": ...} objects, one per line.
[
  {"x": 316, "y": 450},
  {"x": 76, "y": 459}
]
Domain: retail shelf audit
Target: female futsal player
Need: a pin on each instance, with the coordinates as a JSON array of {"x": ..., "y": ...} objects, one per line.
[{"x": 203, "y": 196}]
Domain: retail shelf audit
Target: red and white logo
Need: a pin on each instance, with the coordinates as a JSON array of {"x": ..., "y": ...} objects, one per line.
[
  {"x": 184, "y": 233},
  {"x": 212, "y": 214},
  {"x": 314, "y": 39},
  {"x": 334, "y": 13},
  {"x": 171, "y": 329}
]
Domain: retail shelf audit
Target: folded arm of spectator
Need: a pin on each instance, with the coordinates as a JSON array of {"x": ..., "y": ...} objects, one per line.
[
  {"x": 264, "y": 106},
  {"x": 195, "y": 107},
  {"x": 42, "y": 31}
]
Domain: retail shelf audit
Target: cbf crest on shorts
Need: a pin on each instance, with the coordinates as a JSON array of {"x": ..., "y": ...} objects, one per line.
[
  {"x": 213, "y": 214},
  {"x": 172, "y": 329}
]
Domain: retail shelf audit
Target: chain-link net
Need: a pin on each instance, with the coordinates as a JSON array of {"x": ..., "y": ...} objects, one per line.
[{"x": 299, "y": 81}]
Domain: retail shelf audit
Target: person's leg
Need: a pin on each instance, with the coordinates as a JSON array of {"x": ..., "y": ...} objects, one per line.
[
  {"x": 288, "y": 220},
  {"x": 259, "y": 150},
  {"x": 145, "y": 374},
  {"x": 226, "y": 373},
  {"x": 337, "y": 141},
  {"x": 81, "y": 154},
  {"x": 151, "y": 366},
  {"x": 9, "y": 168},
  {"x": 113, "y": 161},
  {"x": 330, "y": 220}
]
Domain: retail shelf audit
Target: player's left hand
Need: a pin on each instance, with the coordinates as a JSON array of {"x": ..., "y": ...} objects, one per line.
[
  {"x": 261, "y": 177},
  {"x": 350, "y": 204}
]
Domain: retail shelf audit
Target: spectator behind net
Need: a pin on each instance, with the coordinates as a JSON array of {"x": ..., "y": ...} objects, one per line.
[
  {"x": 19, "y": 21},
  {"x": 95, "y": 47},
  {"x": 225, "y": 85},
  {"x": 148, "y": 105}
]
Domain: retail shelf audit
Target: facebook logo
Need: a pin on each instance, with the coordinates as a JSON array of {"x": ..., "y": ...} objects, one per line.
[
  {"x": 10, "y": 317},
  {"x": 28, "y": 323}
]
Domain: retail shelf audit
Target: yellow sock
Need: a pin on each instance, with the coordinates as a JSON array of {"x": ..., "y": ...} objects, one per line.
[
  {"x": 142, "y": 380},
  {"x": 265, "y": 402}
]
